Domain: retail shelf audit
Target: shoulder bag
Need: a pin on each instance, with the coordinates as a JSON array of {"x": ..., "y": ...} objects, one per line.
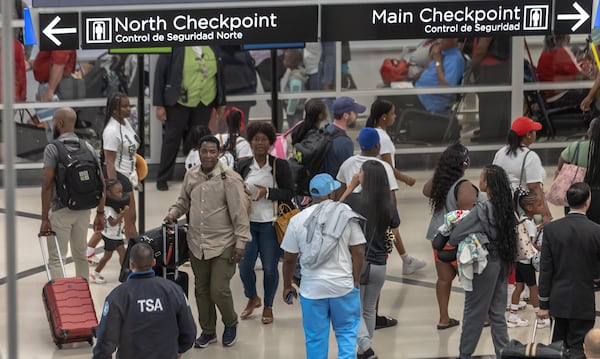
[
  {"x": 285, "y": 212},
  {"x": 569, "y": 173}
]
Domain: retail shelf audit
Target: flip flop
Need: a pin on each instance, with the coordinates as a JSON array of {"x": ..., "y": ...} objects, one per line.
[{"x": 451, "y": 323}]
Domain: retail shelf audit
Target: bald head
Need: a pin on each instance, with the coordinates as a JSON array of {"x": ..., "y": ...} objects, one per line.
[
  {"x": 64, "y": 119},
  {"x": 141, "y": 257},
  {"x": 591, "y": 344}
]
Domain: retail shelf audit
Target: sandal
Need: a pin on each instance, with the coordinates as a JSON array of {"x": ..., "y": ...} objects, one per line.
[
  {"x": 451, "y": 323},
  {"x": 267, "y": 316},
  {"x": 253, "y": 303}
]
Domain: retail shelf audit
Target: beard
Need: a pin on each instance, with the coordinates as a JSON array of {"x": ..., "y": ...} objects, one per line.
[{"x": 55, "y": 132}]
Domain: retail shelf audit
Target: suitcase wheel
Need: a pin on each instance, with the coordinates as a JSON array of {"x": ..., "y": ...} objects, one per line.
[
  {"x": 65, "y": 334},
  {"x": 59, "y": 345},
  {"x": 91, "y": 341}
]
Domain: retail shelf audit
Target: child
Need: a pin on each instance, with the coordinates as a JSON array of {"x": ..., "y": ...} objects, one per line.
[
  {"x": 526, "y": 205},
  {"x": 112, "y": 235},
  {"x": 294, "y": 80}
]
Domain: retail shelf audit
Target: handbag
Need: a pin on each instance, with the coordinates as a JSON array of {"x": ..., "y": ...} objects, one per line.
[
  {"x": 286, "y": 212},
  {"x": 390, "y": 239},
  {"x": 525, "y": 249},
  {"x": 569, "y": 173},
  {"x": 516, "y": 349}
]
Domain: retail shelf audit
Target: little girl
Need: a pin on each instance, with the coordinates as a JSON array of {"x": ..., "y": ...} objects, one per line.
[
  {"x": 526, "y": 205},
  {"x": 112, "y": 235}
]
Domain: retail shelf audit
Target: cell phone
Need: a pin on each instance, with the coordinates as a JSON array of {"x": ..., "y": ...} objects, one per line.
[{"x": 289, "y": 299}]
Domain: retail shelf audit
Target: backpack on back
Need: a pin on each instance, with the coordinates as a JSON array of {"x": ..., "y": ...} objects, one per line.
[
  {"x": 311, "y": 151},
  {"x": 78, "y": 182}
]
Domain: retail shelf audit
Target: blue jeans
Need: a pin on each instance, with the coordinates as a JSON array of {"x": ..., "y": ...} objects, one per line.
[
  {"x": 264, "y": 243},
  {"x": 343, "y": 313}
]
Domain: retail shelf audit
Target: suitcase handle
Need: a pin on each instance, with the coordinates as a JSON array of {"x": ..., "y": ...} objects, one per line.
[
  {"x": 167, "y": 254},
  {"x": 46, "y": 254},
  {"x": 534, "y": 331}
]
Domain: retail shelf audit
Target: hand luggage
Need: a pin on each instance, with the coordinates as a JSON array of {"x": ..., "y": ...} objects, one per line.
[
  {"x": 170, "y": 251},
  {"x": 69, "y": 305},
  {"x": 516, "y": 349}
]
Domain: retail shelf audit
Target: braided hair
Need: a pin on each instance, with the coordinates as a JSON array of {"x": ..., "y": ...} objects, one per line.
[
  {"x": 378, "y": 109},
  {"x": 500, "y": 194},
  {"x": 113, "y": 102},
  {"x": 234, "y": 118},
  {"x": 449, "y": 169}
]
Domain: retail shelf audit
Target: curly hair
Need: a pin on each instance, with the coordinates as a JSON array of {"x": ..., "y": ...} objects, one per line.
[
  {"x": 448, "y": 170},
  {"x": 264, "y": 127},
  {"x": 500, "y": 195},
  {"x": 378, "y": 109}
]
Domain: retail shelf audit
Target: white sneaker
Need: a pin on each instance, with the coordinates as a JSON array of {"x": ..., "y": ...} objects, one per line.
[
  {"x": 93, "y": 259},
  {"x": 97, "y": 278},
  {"x": 514, "y": 321},
  {"x": 543, "y": 323},
  {"x": 412, "y": 264}
]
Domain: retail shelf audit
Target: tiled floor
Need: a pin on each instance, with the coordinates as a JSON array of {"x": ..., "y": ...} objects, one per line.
[{"x": 410, "y": 299}]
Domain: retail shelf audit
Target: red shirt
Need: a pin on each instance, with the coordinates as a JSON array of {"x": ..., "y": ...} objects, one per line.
[
  {"x": 45, "y": 59},
  {"x": 557, "y": 65},
  {"x": 20, "y": 78}
]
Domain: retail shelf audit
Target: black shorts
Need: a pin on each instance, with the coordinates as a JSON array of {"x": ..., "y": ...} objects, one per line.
[
  {"x": 525, "y": 273},
  {"x": 112, "y": 244},
  {"x": 127, "y": 186}
]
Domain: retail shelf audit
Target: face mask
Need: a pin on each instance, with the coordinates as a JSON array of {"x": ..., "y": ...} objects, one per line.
[{"x": 55, "y": 132}]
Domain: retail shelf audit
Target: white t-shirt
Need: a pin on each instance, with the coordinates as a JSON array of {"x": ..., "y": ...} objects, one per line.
[
  {"x": 531, "y": 231},
  {"x": 387, "y": 145},
  {"x": 263, "y": 210},
  {"x": 334, "y": 278},
  {"x": 352, "y": 166},
  {"x": 121, "y": 138},
  {"x": 242, "y": 147},
  {"x": 112, "y": 232},
  {"x": 534, "y": 171},
  {"x": 193, "y": 159}
]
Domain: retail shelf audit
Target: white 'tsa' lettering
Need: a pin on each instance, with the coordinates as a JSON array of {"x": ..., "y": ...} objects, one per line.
[{"x": 150, "y": 305}]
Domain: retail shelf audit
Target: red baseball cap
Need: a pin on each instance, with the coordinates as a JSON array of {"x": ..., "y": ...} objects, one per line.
[{"x": 523, "y": 125}]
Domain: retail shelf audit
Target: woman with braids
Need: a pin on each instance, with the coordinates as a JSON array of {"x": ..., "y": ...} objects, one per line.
[
  {"x": 383, "y": 114},
  {"x": 315, "y": 113},
  {"x": 234, "y": 147},
  {"x": 523, "y": 166},
  {"x": 375, "y": 189},
  {"x": 447, "y": 191},
  {"x": 495, "y": 218}
]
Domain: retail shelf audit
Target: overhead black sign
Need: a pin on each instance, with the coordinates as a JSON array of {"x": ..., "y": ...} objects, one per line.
[
  {"x": 197, "y": 27},
  {"x": 59, "y": 31},
  {"x": 448, "y": 19},
  {"x": 79, "y": 3}
]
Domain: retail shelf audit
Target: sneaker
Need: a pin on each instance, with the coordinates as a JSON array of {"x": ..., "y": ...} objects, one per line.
[
  {"x": 412, "y": 264},
  {"x": 382, "y": 321},
  {"x": 204, "y": 340},
  {"x": 368, "y": 354},
  {"x": 97, "y": 278},
  {"x": 229, "y": 336},
  {"x": 93, "y": 259},
  {"x": 162, "y": 186},
  {"x": 514, "y": 321},
  {"x": 543, "y": 323},
  {"x": 522, "y": 305}
]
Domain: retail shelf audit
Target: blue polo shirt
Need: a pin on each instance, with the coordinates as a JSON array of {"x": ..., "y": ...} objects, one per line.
[
  {"x": 341, "y": 149},
  {"x": 454, "y": 66}
]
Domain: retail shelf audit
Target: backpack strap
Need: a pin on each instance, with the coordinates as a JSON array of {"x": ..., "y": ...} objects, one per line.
[{"x": 523, "y": 175}]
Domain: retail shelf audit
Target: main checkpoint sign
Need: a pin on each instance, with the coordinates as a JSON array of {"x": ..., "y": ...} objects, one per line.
[
  {"x": 385, "y": 21},
  {"x": 197, "y": 27}
]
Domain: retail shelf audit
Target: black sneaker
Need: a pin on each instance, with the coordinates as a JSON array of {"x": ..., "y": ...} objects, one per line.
[
  {"x": 369, "y": 354},
  {"x": 229, "y": 336},
  {"x": 204, "y": 340},
  {"x": 162, "y": 186},
  {"x": 382, "y": 321}
]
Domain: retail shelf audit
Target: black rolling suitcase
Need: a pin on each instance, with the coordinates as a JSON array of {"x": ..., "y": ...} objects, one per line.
[
  {"x": 516, "y": 349},
  {"x": 170, "y": 251}
]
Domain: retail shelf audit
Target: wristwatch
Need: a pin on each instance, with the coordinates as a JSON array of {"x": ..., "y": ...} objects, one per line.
[{"x": 438, "y": 64}]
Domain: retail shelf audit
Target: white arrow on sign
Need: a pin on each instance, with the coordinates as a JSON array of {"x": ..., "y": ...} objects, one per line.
[
  {"x": 582, "y": 16},
  {"x": 50, "y": 31}
]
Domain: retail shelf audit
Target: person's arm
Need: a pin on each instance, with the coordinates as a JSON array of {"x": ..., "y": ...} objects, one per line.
[
  {"x": 561, "y": 163},
  {"x": 350, "y": 188},
  {"x": 436, "y": 54},
  {"x": 56, "y": 74},
  {"x": 185, "y": 323},
  {"x": 541, "y": 199},
  {"x": 182, "y": 205},
  {"x": 283, "y": 178},
  {"x": 160, "y": 73},
  {"x": 289, "y": 265},
  {"x": 546, "y": 274},
  {"x": 466, "y": 197},
  {"x": 115, "y": 221},
  {"x": 47, "y": 191},
  {"x": 109, "y": 331},
  {"x": 387, "y": 157},
  {"x": 587, "y": 101},
  {"x": 428, "y": 188},
  {"x": 109, "y": 159},
  {"x": 237, "y": 206},
  {"x": 358, "y": 259}
]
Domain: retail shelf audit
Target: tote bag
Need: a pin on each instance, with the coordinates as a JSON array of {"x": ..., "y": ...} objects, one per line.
[{"x": 569, "y": 173}]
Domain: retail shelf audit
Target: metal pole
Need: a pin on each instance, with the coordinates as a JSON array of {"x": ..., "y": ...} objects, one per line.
[
  {"x": 8, "y": 130},
  {"x": 274, "y": 86},
  {"x": 142, "y": 134}
]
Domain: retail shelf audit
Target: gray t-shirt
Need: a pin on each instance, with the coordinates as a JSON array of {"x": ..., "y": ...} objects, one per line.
[{"x": 51, "y": 160}]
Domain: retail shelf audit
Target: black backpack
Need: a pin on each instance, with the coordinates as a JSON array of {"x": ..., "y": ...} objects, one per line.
[{"x": 78, "y": 182}]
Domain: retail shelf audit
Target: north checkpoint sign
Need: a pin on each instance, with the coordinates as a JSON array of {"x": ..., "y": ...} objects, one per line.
[
  {"x": 101, "y": 30},
  {"x": 387, "y": 21}
]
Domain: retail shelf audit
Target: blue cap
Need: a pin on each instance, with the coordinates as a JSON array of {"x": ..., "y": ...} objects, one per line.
[
  {"x": 346, "y": 104},
  {"x": 323, "y": 184},
  {"x": 368, "y": 138}
]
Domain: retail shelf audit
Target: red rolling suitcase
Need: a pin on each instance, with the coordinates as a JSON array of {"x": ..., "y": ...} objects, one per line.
[{"x": 69, "y": 305}]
